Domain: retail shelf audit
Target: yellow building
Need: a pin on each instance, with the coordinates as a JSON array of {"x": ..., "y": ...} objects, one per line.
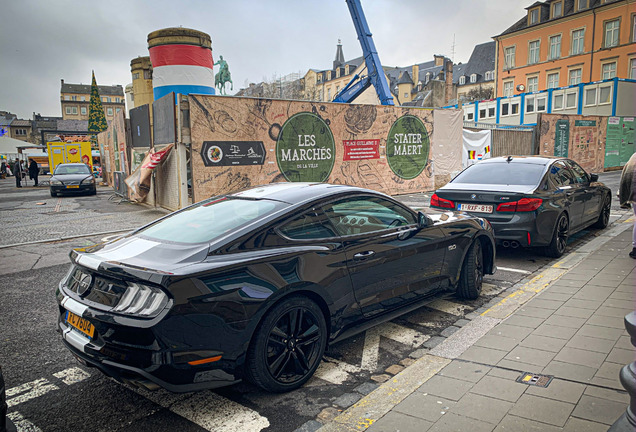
[
  {"x": 567, "y": 42},
  {"x": 75, "y": 100},
  {"x": 141, "y": 70}
]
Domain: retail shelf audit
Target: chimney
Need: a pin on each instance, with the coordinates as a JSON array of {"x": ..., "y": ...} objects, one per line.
[
  {"x": 448, "y": 87},
  {"x": 439, "y": 60},
  {"x": 416, "y": 75}
]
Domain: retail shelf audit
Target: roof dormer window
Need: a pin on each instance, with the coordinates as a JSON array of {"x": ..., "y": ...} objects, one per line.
[
  {"x": 473, "y": 78},
  {"x": 462, "y": 80},
  {"x": 583, "y": 4},
  {"x": 533, "y": 16},
  {"x": 557, "y": 9}
]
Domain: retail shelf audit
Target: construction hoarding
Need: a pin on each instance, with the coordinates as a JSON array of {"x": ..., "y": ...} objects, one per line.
[{"x": 244, "y": 142}]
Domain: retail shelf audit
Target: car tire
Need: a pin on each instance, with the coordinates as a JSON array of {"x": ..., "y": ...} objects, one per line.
[
  {"x": 472, "y": 275},
  {"x": 287, "y": 346},
  {"x": 53, "y": 194},
  {"x": 559, "y": 242},
  {"x": 604, "y": 216}
]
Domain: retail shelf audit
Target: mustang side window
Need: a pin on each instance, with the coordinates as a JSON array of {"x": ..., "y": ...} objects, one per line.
[
  {"x": 310, "y": 225},
  {"x": 366, "y": 215}
]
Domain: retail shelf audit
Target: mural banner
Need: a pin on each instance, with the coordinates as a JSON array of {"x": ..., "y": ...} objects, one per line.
[
  {"x": 584, "y": 136},
  {"x": 140, "y": 180},
  {"x": 384, "y": 148}
]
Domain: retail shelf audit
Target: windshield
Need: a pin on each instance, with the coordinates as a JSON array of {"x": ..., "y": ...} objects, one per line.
[
  {"x": 71, "y": 169},
  {"x": 501, "y": 173},
  {"x": 210, "y": 219}
]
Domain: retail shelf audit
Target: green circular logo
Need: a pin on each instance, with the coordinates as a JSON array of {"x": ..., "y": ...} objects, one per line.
[
  {"x": 305, "y": 149},
  {"x": 407, "y": 147}
]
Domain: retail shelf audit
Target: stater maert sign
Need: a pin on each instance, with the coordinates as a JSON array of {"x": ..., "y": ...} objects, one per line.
[
  {"x": 305, "y": 150},
  {"x": 407, "y": 147}
]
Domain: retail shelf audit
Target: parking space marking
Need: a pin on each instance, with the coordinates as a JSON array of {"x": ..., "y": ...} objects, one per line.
[
  {"x": 333, "y": 371},
  {"x": 208, "y": 410},
  {"x": 392, "y": 331},
  {"x": 513, "y": 270},
  {"x": 28, "y": 391},
  {"x": 22, "y": 424},
  {"x": 448, "y": 307},
  {"x": 72, "y": 375}
]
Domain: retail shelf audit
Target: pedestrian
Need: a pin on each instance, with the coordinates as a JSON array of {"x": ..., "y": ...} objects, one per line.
[
  {"x": 17, "y": 172},
  {"x": 627, "y": 194},
  {"x": 33, "y": 171},
  {"x": 3, "y": 170}
]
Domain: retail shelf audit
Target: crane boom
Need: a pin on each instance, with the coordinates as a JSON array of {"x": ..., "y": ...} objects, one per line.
[{"x": 375, "y": 73}]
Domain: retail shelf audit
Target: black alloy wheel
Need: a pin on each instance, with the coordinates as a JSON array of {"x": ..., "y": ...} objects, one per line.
[
  {"x": 559, "y": 237},
  {"x": 472, "y": 275},
  {"x": 288, "y": 345},
  {"x": 604, "y": 216}
]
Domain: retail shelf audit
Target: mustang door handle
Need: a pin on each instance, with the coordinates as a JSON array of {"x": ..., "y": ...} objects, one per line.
[{"x": 363, "y": 255}]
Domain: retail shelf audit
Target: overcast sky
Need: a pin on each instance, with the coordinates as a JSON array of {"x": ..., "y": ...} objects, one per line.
[{"x": 42, "y": 42}]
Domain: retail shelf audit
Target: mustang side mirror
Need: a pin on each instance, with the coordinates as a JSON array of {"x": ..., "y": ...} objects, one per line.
[
  {"x": 593, "y": 177},
  {"x": 424, "y": 220}
]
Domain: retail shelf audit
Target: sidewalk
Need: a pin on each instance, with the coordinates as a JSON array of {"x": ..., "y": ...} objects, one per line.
[{"x": 566, "y": 323}]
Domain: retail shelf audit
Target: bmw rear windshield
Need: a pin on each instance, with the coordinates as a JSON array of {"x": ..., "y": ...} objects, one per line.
[
  {"x": 502, "y": 173},
  {"x": 210, "y": 219}
]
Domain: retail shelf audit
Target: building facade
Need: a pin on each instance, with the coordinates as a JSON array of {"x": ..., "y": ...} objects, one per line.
[
  {"x": 567, "y": 42},
  {"x": 75, "y": 100}
]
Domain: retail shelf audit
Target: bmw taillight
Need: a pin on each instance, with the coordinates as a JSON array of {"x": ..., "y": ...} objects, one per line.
[
  {"x": 523, "y": 205},
  {"x": 436, "y": 201}
]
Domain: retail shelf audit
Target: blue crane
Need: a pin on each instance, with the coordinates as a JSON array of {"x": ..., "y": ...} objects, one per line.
[{"x": 375, "y": 73}]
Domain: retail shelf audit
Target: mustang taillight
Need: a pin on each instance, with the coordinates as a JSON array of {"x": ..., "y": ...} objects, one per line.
[
  {"x": 141, "y": 300},
  {"x": 523, "y": 205},
  {"x": 436, "y": 201}
]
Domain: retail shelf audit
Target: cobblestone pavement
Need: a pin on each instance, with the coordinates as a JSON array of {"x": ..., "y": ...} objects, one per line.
[{"x": 28, "y": 214}]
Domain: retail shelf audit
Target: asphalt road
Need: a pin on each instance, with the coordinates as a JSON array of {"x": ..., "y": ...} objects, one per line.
[{"x": 48, "y": 390}]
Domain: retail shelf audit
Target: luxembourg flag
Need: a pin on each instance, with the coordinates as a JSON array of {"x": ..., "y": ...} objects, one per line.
[{"x": 181, "y": 68}]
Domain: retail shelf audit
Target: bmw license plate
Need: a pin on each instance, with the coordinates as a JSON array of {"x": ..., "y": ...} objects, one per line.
[
  {"x": 475, "y": 208},
  {"x": 80, "y": 324},
  {"x": 72, "y": 186}
]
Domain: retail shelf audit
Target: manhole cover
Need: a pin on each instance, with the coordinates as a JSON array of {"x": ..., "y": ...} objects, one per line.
[{"x": 535, "y": 379}]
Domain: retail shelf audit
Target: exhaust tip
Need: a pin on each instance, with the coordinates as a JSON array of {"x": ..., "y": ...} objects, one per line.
[
  {"x": 505, "y": 243},
  {"x": 514, "y": 244}
]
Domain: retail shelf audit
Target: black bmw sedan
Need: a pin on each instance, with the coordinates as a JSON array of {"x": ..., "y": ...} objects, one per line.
[
  {"x": 529, "y": 200},
  {"x": 255, "y": 284},
  {"x": 72, "y": 178}
]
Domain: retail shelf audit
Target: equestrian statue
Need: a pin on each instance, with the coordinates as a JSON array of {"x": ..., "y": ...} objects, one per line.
[{"x": 223, "y": 76}]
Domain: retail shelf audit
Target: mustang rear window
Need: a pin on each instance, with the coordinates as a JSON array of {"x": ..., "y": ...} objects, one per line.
[
  {"x": 502, "y": 173},
  {"x": 210, "y": 219}
]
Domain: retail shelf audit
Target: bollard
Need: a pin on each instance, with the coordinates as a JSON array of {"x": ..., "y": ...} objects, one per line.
[{"x": 627, "y": 421}]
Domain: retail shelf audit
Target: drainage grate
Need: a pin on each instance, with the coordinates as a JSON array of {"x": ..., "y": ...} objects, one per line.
[{"x": 535, "y": 379}]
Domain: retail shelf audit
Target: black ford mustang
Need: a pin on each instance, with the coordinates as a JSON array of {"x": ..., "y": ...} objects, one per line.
[{"x": 256, "y": 283}]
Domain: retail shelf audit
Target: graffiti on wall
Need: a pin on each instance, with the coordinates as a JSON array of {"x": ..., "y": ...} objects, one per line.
[{"x": 380, "y": 147}]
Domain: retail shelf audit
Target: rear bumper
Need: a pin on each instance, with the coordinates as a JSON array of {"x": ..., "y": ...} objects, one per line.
[{"x": 527, "y": 229}]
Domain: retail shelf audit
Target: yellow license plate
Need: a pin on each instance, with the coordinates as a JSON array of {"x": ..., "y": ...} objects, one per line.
[
  {"x": 81, "y": 324},
  {"x": 72, "y": 186}
]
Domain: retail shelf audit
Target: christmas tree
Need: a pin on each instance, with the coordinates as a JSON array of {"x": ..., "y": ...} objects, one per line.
[{"x": 96, "y": 118}]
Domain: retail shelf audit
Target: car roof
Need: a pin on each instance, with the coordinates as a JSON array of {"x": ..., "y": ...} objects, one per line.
[
  {"x": 539, "y": 160},
  {"x": 296, "y": 192},
  {"x": 72, "y": 164}
]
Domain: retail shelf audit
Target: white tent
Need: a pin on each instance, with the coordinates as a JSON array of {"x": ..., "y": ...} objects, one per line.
[{"x": 10, "y": 145}]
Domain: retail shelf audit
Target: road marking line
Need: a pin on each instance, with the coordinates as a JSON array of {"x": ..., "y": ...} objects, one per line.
[
  {"x": 58, "y": 205},
  {"x": 33, "y": 390},
  {"x": 392, "y": 331},
  {"x": 333, "y": 371},
  {"x": 208, "y": 410},
  {"x": 448, "y": 307},
  {"x": 21, "y": 424},
  {"x": 513, "y": 270},
  {"x": 72, "y": 375}
]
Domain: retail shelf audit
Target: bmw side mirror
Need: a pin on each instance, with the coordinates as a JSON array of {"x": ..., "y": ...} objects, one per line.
[{"x": 593, "y": 177}]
